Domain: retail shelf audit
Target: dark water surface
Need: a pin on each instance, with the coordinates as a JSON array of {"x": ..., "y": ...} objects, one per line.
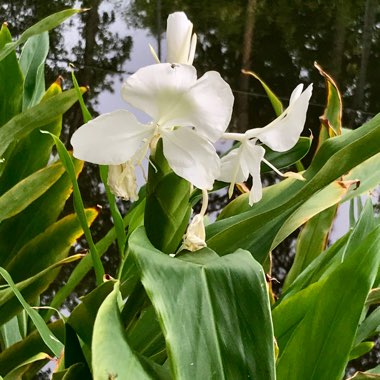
[{"x": 279, "y": 40}]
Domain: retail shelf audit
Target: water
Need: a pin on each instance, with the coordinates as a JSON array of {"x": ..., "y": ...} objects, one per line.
[{"x": 277, "y": 39}]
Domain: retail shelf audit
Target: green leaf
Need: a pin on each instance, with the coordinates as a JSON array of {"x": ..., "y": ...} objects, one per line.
[
  {"x": 275, "y": 101},
  {"x": 223, "y": 312},
  {"x": 35, "y": 117},
  {"x": 332, "y": 118},
  {"x": 112, "y": 357},
  {"x": 48, "y": 337},
  {"x": 311, "y": 242},
  {"x": 44, "y": 25},
  {"x": 325, "y": 264},
  {"x": 32, "y": 62},
  {"x": 11, "y": 79},
  {"x": 32, "y": 152},
  {"x": 85, "y": 265},
  {"x": 10, "y": 333},
  {"x": 167, "y": 208},
  {"x": 30, "y": 288},
  {"x": 369, "y": 327},
  {"x": 28, "y": 348},
  {"x": 361, "y": 349},
  {"x": 74, "y": 372},
  {"x": 28, "y": 190},
  {"x": 373, "y": 297},
  {"x": 36, "y": 218},
  {"x": 47, "y": 248},
  {"x": 331, "y": 302},
  {"x": 284, "y": 159},
  {"x": 17, "y": 372},
  {"x": 68, "y": 163}
]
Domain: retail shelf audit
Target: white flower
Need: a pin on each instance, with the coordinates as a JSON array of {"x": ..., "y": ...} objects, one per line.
[
  {"x": 187, "y": 113},
  {"x": 179, "y": 41},
  {"x": 280, "y": 135}
]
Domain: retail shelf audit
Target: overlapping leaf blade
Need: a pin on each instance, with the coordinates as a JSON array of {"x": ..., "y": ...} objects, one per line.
[{"x": 215, "y": 339}]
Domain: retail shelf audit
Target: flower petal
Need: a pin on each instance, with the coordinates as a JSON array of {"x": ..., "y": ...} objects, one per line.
[
  {"x": 283, "y": 133},
  {"x": 211, "y": 102},
  {"x": 231, "y": 168},
  {"x": 253, "y": 154},
  {"x": 191, "y": 157},
  {"x": 178, "y": 37},
  {"x": 158, "y": 89},
  {"x": 110, "y": 139}
]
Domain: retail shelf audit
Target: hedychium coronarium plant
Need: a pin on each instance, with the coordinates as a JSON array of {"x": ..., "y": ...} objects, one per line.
[{"x": 193, "y": 299}]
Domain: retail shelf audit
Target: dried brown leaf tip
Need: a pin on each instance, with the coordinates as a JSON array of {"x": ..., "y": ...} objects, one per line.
[{"x": 348, "y": 183}]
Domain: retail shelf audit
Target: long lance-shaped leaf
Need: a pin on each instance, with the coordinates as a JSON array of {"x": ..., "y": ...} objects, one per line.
[
  {"x": 324, "y": 264},
  {"x": 351, "y": 280},
  {"x": 48, "y": 247},
  {"x": 18, "y": 371},
  {"x": 35, "y": 117},
  {"x": 112, "y": 356},
  {"x": 28, "y": 190},
  {"x": 85, "y": 265},
  {"x": 332, "y": 117},
  {"x": 27, "y": 348},
  {"x": 30, "y": 289},
  {"x": 32, "y": 152},
  {"x": 311, "y": 242},
  {"x": 48, "y": 337},
  {"x": 36, "y": 218},
  {"x": 275, "y": 101},
  {"x": 79, "y": 207},
  {"x": 11, "y": 79},
  {"x": 214, "y": 311},
  {"x": 313, "y": 238},
  {"x": 44, "y": 25},
  {"x": 32, "y": 62}
]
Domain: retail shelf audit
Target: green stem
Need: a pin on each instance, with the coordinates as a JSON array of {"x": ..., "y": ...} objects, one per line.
[{"x": 115, "y": 213}]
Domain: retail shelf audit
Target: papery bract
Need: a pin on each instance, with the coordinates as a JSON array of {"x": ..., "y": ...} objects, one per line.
[{"x": 122, "y": 181}]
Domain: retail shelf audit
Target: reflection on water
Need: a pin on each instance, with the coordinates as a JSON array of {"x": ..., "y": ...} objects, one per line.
[{"x": 277, "y": 39}]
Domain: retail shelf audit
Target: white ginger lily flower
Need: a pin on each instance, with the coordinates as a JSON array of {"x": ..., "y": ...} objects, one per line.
[
  {"x": 180, "y": 42},
  {"x": 187, "y": 113},
  {"x": 280, "y": 135}
]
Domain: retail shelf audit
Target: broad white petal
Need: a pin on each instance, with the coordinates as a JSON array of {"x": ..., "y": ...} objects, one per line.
[
  {"x": 110, "y": 139},
  {"x": 283, "y": 133},
  {"x": 191, "y": 157},
  {"x": 158, "y": 89},
  {"x": 178, "y": 37},
  {"x": 252, "y": 155},
  {"x": 232, "y": 170},
  {"x": 211, "y": 101}
]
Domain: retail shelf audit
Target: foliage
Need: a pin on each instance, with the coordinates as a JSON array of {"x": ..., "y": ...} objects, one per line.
[{"x": 171, "y": 313}]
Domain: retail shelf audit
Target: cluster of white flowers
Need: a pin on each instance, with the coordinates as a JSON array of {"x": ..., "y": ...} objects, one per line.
[{"x": 190, "y": 114}]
